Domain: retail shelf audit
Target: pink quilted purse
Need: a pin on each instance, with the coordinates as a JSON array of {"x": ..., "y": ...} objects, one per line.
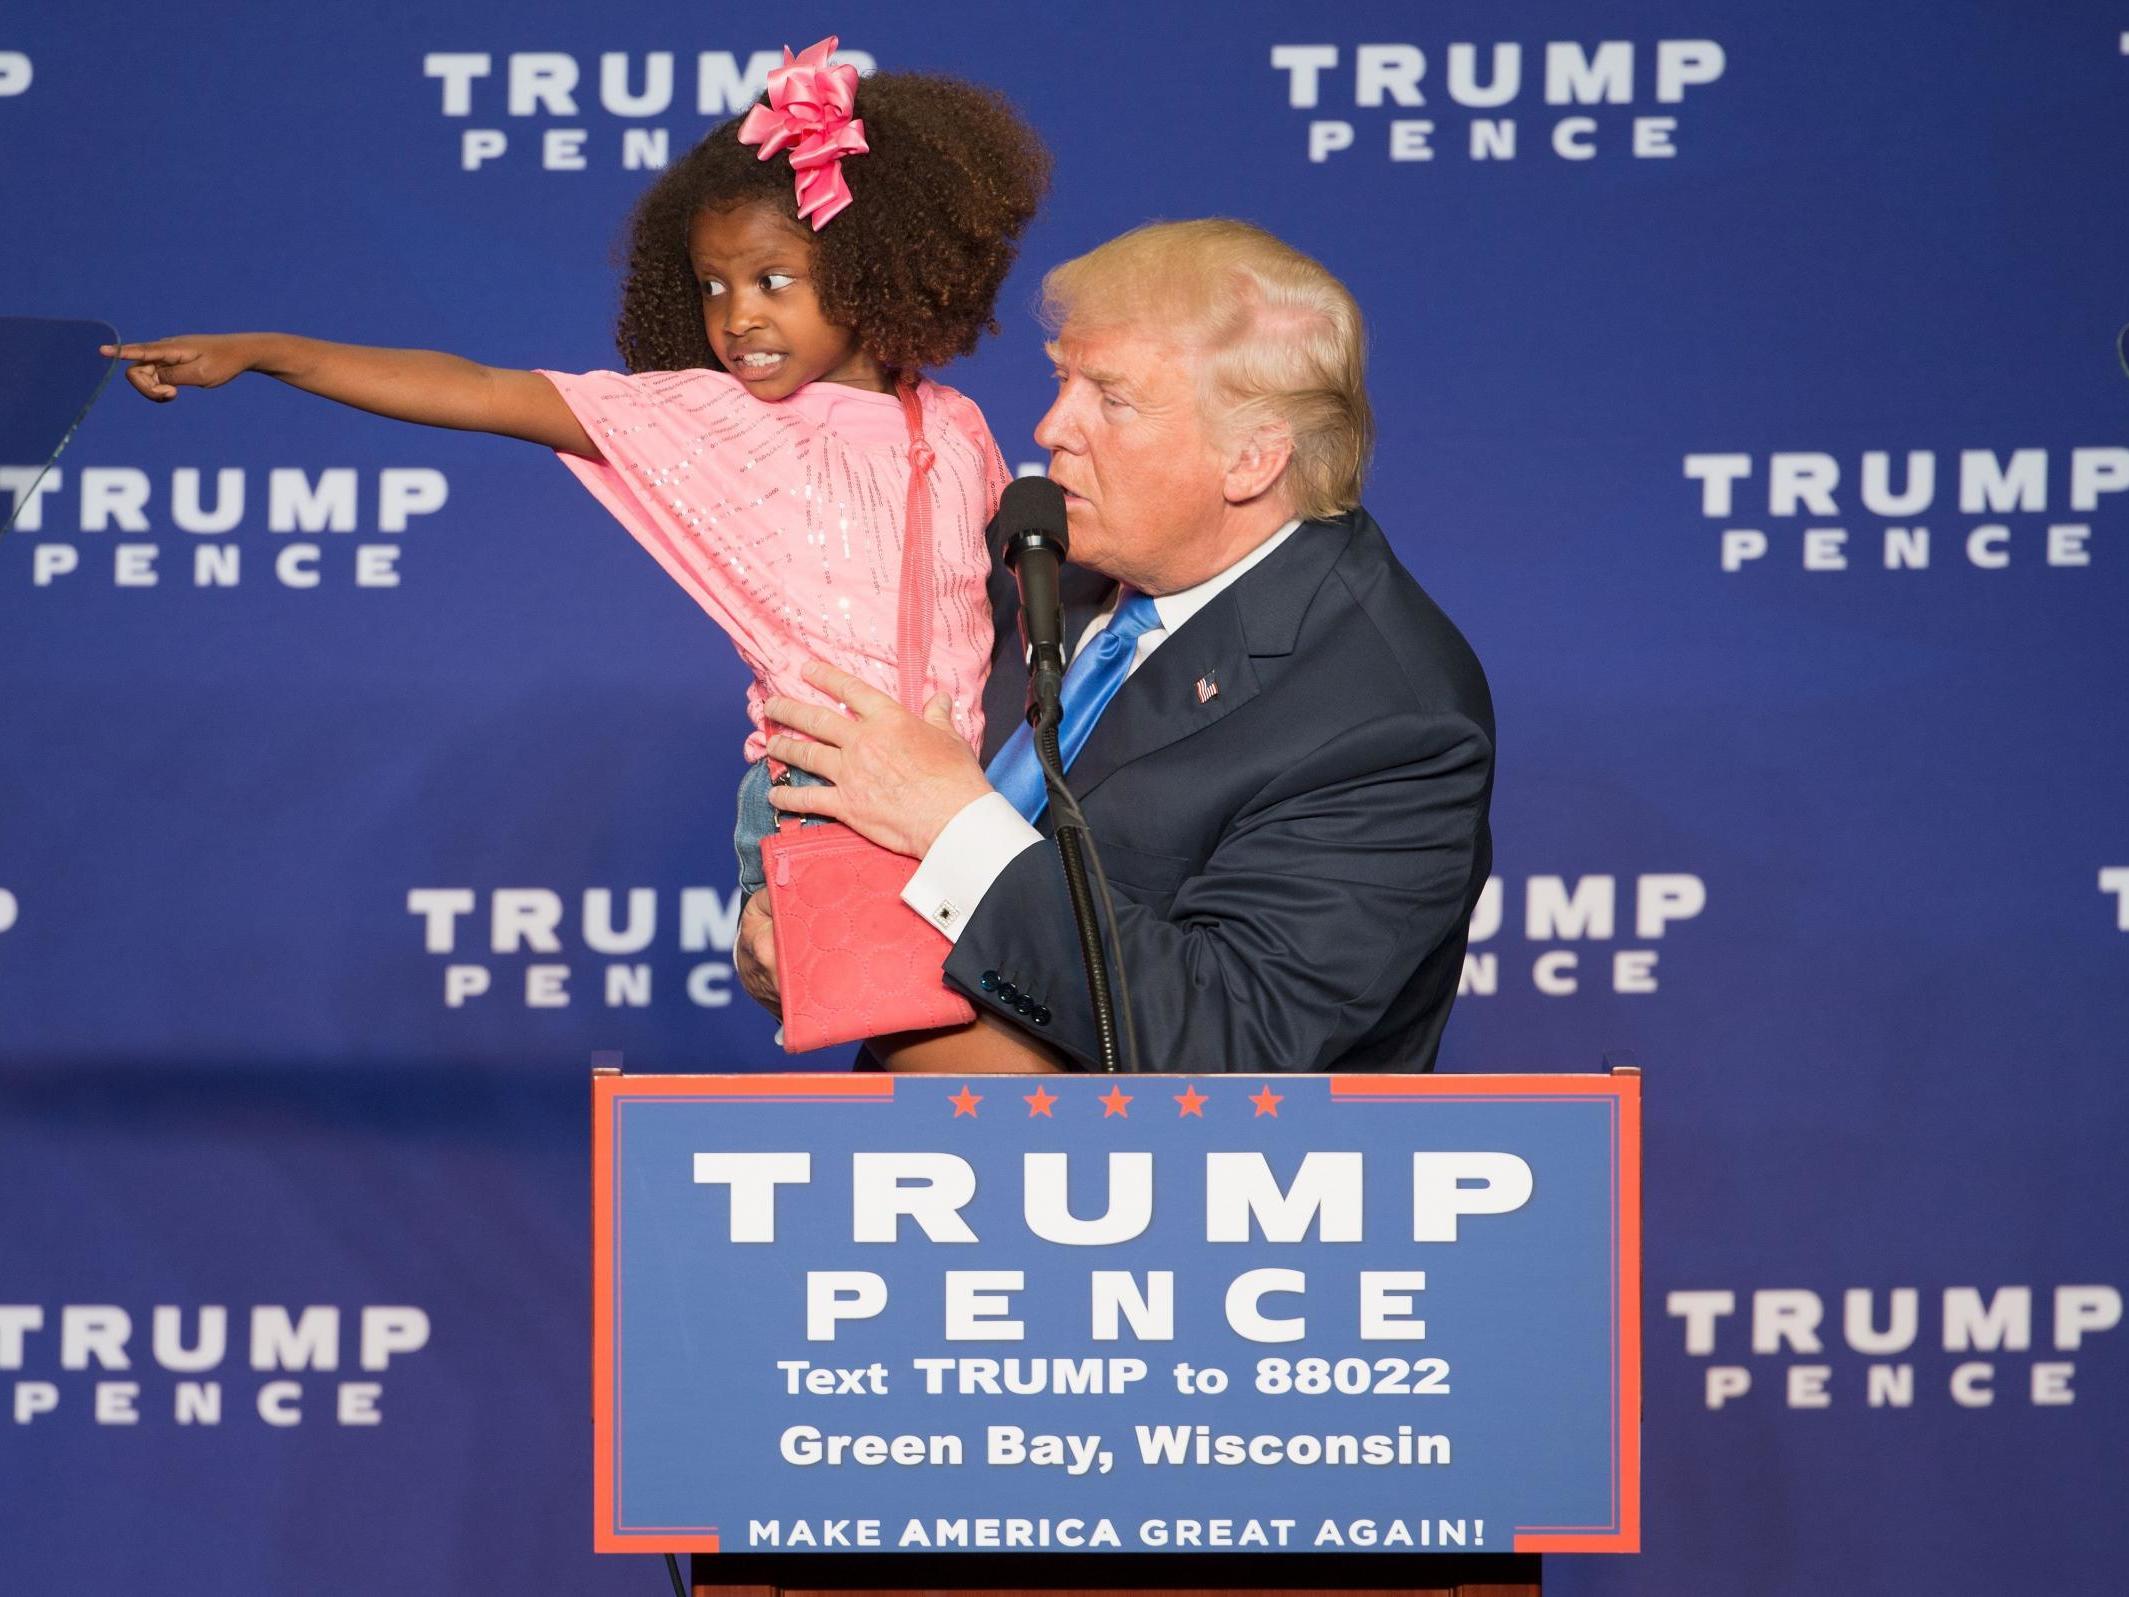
[{"x": 852, "y": 960}]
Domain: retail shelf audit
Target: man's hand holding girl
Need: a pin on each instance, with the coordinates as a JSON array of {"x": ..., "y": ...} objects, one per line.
[{"x": 899, "y": 778}]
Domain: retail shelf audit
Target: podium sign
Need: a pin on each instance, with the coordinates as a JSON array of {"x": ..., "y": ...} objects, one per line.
[{"x": 1117, "y": 1313}]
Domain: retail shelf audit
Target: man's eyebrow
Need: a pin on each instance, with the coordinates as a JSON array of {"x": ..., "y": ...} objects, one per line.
[{"x": 1099, "y": 378}]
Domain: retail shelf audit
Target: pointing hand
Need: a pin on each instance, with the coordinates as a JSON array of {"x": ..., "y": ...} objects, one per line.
[{"x": 164, "y": 366}]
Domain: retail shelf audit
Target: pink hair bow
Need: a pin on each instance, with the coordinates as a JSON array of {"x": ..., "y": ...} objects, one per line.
[{"x": 809, "y": 114}]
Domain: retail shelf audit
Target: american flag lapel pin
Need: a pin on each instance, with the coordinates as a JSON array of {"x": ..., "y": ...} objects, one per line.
[{"x": 1208, "y": 687}]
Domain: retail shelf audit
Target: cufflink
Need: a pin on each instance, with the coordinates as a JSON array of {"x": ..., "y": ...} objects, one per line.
[{"x": 944, "y": 914}]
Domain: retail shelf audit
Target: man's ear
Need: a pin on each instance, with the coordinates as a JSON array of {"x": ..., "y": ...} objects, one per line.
[{"x": 1257, "y": 461}]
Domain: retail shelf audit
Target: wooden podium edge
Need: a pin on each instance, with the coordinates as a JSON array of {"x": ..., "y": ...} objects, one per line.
[{"x": 1118, "y": 1574}]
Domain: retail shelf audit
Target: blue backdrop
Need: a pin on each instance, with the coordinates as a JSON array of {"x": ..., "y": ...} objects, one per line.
[{"x": 1746, "y": 394}]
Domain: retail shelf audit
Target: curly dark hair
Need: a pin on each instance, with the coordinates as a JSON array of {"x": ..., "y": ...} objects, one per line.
[{"x": 913, "y": 266}]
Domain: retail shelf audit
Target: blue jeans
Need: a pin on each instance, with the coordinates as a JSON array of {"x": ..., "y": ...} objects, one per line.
[{"x": 758, "y": 818}]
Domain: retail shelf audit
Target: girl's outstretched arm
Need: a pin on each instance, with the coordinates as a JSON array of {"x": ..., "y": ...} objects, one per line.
[{"x": 416, "y": 385}]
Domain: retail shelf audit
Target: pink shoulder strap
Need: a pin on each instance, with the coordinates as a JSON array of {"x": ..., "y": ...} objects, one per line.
[{"x": 914, "y": 604}]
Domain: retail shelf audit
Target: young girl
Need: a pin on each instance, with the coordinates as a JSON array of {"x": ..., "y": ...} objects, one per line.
[{"x": 788, "y": 280}]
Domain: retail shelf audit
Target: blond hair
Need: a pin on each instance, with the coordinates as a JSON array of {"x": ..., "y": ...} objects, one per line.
[{"x": 1280, "y": 339}]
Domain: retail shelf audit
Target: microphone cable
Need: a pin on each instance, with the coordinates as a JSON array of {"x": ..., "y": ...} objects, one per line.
[{"x": 1072, "y": 831}]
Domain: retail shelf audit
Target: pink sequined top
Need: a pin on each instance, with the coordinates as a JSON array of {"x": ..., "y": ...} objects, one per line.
[{"x": 784, "y": 520}]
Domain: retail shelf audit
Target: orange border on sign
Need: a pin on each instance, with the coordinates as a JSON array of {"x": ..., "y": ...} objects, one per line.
[
  {"x": 607, "y": 1536},
  {"x": 1623, "y": 1089}
]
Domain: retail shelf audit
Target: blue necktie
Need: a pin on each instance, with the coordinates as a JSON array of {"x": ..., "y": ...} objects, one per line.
[{"x": 1091, "y": 681}]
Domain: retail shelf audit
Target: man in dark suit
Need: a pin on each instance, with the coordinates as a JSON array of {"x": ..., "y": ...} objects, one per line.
[{"x": 1290, "y": 754}]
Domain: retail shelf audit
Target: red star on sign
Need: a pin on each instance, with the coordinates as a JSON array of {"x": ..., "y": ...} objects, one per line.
[
  {"x": 1267, "y": 1102},
  {"x": 1193, "y": 1102},
  {"x": 1039, "y": 1102},
  {"x": 1113, "y": 1101},
  {"x": 965, "y": 1102}
]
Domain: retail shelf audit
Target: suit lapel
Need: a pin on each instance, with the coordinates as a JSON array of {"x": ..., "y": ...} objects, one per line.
[
  {"x": 1005, "y": 690},
  {"x": 1256, "y": 619},
  {"x": 1218, "y": 649},
  {"x": 1160, "y": 703}
]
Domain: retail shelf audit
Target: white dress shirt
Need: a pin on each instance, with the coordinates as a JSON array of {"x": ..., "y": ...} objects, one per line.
[{"x": 989, "y": 834}]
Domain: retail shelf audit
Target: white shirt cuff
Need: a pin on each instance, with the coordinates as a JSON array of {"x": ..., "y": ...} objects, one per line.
[{"x": 970, "y": 854}]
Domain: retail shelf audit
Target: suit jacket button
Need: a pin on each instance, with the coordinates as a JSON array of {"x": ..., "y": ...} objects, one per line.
[
  {"x": 988, "y": 981},
  {"x": 1025, "y": 1004},
  {"x": 1041, "y": 1016},
  {"x": 1007, "y": 992}
]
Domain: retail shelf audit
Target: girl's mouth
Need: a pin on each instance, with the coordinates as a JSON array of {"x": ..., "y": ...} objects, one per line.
[{"x": 760, "y": 363}]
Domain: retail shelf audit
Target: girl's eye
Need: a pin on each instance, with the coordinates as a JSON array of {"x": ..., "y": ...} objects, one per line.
[
  {"x": 775, "y": 281},
  {"x": 710, "y": 290}
]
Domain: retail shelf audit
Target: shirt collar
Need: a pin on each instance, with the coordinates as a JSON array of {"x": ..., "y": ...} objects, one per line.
[{"x": 1176, "y": 608}]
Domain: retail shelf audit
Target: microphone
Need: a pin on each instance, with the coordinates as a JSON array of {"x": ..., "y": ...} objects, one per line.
[{"x": 1031, "y": 528}]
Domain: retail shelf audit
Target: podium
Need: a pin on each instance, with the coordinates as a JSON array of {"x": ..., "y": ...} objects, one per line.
[{"x": 863, "y": 1333}]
